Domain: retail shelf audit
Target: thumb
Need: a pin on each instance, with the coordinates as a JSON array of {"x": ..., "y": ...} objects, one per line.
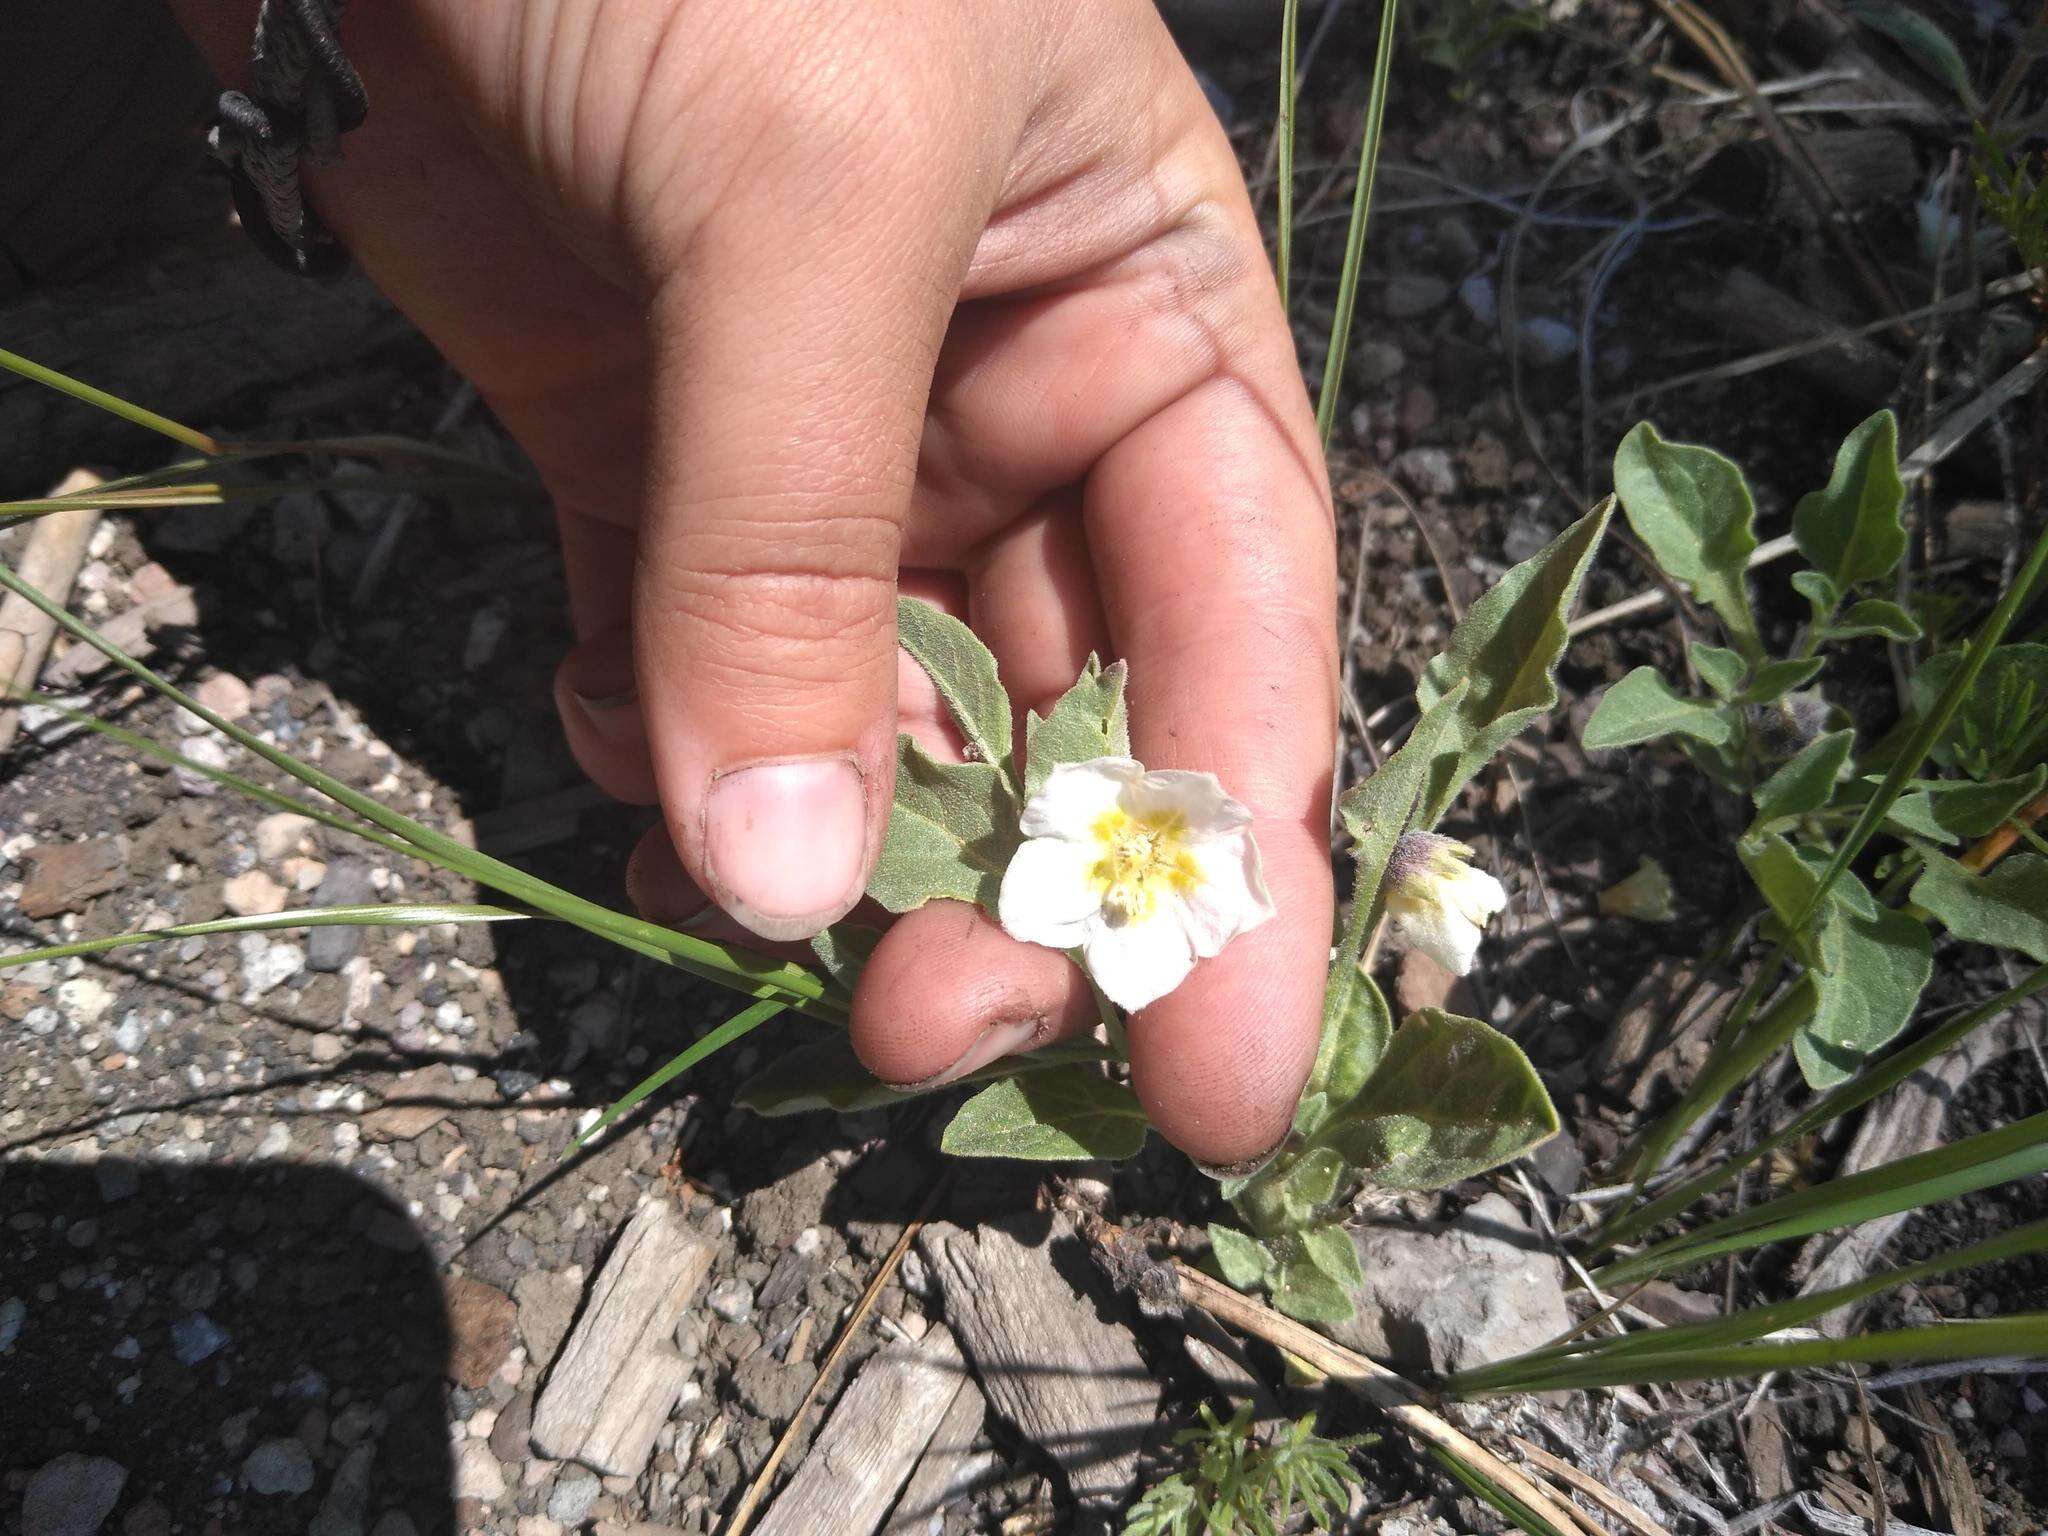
[{"x": 793, "y": 359}]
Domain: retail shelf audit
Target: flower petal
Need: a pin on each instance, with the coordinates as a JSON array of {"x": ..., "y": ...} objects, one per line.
[
  {"x": 1076, "y": 795},
  {"x": 1475, "y": 894},
  {"x": 1197, "y": 799},
  {"x": 1048, "y": 895},
  {"x": 1439, "y": 931},
  {"x": 1231, "y": 898},
  {"x": 1139, "y": 963}
]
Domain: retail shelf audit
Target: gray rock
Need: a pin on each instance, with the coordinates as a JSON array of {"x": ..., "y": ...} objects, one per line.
[
  {"x": 1483, "y": 1289},
  {"x": 1477, "y": 295},
  {"x": 1547, "y": 341},
  {"x": 279, "y": 1468},
  {"x": 1429, "y": 471},
  {"x": 547, "y": 1306},
  {"x": 1411, "y": 295},
  {"x": 346, "y": 1508},
  {"x": 13, "y": 1313},
  {"x": 574, "y": 1492},
  {"x": 732, "y": 1300},
  {"x": 394, "y": 1522},
  {"x": 477, "y": 1473},
  {"x": 346, "y": 884},
  {"x": 515, "y": 1424},
  {"x": 71, "y": 1495},
  {"x": 195, "y": 1337},
  {"x": 1377, "y": 362}
]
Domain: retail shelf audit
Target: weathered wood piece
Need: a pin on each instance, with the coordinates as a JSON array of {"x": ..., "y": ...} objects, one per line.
[
  {"x": 49, "y": 562},
  {"x": 620, "y": 1373},
  {"x": 1046, "y": 1357},
  {"x": 867, "y": 1449},
  {"x": 950, "y": 1469},
  {"x": 1755, "y": 314}
]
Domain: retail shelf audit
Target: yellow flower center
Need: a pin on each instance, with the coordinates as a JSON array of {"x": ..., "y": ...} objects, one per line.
[{"x": 1138, "y": 859}]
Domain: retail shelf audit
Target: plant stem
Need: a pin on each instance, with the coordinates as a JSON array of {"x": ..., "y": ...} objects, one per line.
[
  {"x": 64, "y": 384},
  {"x": 1290, "y": 19},
  {"x": 1354, "y": 237}
]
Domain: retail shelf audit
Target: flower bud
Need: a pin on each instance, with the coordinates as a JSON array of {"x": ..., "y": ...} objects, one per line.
[
  {"x": 1644, "y": 895},
  {"x": 1438, "y": 903}
]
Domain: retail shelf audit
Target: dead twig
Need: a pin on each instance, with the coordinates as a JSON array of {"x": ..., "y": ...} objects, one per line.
[
  {"x": 55, "y": 552},
  {"x": 743, "y": 1512},
  {"x": 1590, "y": 1486}
]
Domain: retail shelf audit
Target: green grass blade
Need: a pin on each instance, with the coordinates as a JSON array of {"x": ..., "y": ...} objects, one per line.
[
  {"x": 1290, "y": 27},
  {"x": 1521, "y": 1515},
  {"x": 2023, "y": 1333},
  {"x": 374, "y": 915},
  {"x": 64, "y": 384},
  {"x": 2014, "y": 1151},
  {"x": 1852, "y": 1095},
  {"x": 756, "y": 975},
  {"x": 1361, "y": 214},
  {"x": 221, "y": 493},
  {"x": 1752, "y": 1322},
  {"x": 719, "y": 1038}
]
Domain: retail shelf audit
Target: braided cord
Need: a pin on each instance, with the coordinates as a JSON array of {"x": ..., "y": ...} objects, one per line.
[{"x": 303, "y": 95}]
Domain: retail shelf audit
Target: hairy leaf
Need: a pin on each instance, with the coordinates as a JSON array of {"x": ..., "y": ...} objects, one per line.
[
  {"x": 1453, "y": 1098},
  {"x": 1850, "y": 532},
  {"x": 843, "y": 950},
  {"x": 1807, "y": 782},
  {"x": 1970, "y": 809},
  {"x": 1921, "y": 37},
  {"x": 1352, "y": 1046},
  {"x": 1505, "y": 651},
  {"x": 1060, "y": 1115},
  {"x": 2006, "y": 907},
  {"x": 951, "y": 833},
  {"x": 821, "y": 1074},
  {"x": 1693, "y": 508},
  {"x": 1241, "y": 1259},
  {"x": 1874, "y": 616},
  {"x": 1305, "y": 1293},
  {"x": 964, "y": 672},
  {"x": 1874, "y": 969},
  {"x": 1642, "y": 707},
  {"x": 1719, "y": 668},
  {"x": 2002, "y": 726},
  {"x": 1775, "y": 679},
  {"x": 1313, "y": 1180},
  {"x": 1088, "y": 721}
]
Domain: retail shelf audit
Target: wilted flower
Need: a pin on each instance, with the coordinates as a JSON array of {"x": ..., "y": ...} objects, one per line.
[
  {"x": 1644, "y": 895},
  {"x": 1143, "y": 872},
  {"x": 1439, "y": 903}
]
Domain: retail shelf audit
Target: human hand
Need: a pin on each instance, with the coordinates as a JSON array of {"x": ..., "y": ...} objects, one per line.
[{"x": 792, "y": 305}]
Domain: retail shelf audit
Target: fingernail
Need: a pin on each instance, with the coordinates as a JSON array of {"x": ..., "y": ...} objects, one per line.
[
  {"x": 1244, "y": 1168},
  {"x": 660, "y": 891},
  {"x": 993, "y": 1044},
  {"x": 786, "y": 844}
]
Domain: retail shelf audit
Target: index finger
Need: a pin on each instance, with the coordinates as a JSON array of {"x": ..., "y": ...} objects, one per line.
[{"x": 1213, "y": 536}]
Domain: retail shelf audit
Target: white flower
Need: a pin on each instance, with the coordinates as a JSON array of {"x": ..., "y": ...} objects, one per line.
[
  {"x": 1144, "y": 873},
  {"x": 1438, "y": 902}
]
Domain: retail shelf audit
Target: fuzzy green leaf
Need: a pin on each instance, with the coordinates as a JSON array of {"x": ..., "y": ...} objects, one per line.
[
  {"x": 1874, "y": 967},
  {"x": 1970, "y": 809},
  {"x": 1330, "y": 1249},
  {"x": 821, "y": 1074},
  {"x": 1807, "y": 782},
  {"x": 951, "y": 833},
  {"x": 1819, "y": 592},
  {"x": 1353, "y": 1045},
  {"x": 2006, "y": 908},
  {"x": 1241, "y": 1259},
  {"x": 1874, "y": 616},
  {"x": 843, "y": 951},
  {"x": 1719, "y": 668},
  {"x": 1505, "y": 651},
  {"x": 1642, "y": 707},
  {"x": 1775, "y": 679},
  {"x": 1850, "y": 532},
  {"x": 1303, "y": 1292},
  {"x": 1061, "y": 1115},
  {"x": 1693, "y": 508},
  {"x": 964, "y": 672},
  {"x": 1088, "y": 721},
  {"x": 1921, "y": 37},
  {"x": 1453, "y": 1098},
  {"x": 1785, "y": 880},
  {"x": 1914, "y": 814},
  {"x": 1311, "y": 1183}
]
